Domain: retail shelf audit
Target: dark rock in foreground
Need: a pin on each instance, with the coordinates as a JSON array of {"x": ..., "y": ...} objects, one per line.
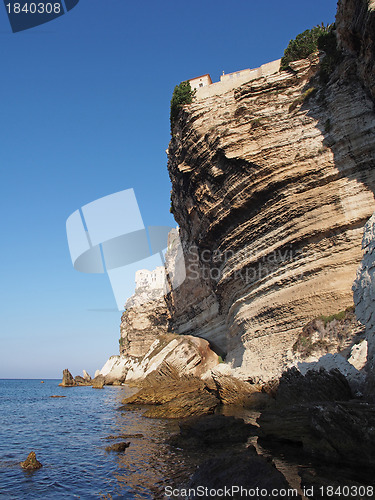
[
  {"x": 341, "y": 432},
  {"x": 212, "y": 430},
  {"x": 243, "y": 469},
  {"x": 118, "y": 447},
  {"x": 67, "y": 380},
  {"x": 31, "y": 463}
]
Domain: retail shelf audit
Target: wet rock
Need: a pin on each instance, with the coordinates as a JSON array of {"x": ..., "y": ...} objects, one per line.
[
  {"x": 212, "y": 430},
  {"x": 244, "y": 469},
  {"x": 164, "y": 391},
  {"x": 56, "y": 396},
  {"x": 118, "y": 447},
  {"x": 339, "y": 432},
  {"x": 67, "y": 380},
  {"x": 314, "y": 386},
  {"x": 98, "y": 382},
  {"x": 174, "y": 397},
  {"x": 186, "y": 405},
  {"x": 235, "y": 391},
  {"x": 124, "y": 436},
  {"x": 31, "y": 463}
]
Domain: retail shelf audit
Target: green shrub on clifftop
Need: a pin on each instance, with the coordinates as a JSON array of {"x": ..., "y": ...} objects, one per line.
[
  {"x": 182, "y": 94},
  {"x": 303, "y": 45}
]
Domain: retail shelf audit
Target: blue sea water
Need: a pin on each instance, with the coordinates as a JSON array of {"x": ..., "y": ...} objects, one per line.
[{"x": 69, "y": 435}]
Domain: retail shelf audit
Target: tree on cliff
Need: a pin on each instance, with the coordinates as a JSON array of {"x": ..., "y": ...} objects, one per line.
[
  {"x": 304, "y": 44},
  {"x": 182, "y": 94}
]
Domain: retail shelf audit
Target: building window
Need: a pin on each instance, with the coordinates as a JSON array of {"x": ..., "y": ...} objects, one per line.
[{"x": 201, "y": 84}]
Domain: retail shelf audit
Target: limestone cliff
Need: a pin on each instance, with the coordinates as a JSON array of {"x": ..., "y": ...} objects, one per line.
[{"x": 272, "y": 183}]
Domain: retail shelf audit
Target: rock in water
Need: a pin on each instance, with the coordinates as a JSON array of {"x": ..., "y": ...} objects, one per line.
[
  {"x": 67, "y": 380},
  {"x": 86, "y": 376},
  {"x": 31, "y": 463},
  {"x": 82, "y": 381},
  {"x": 118, "y": 447},
  {"x": 98, "y": 382}
]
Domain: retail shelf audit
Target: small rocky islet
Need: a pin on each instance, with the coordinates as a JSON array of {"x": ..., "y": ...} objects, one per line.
[{"x": 273, "y": 187}]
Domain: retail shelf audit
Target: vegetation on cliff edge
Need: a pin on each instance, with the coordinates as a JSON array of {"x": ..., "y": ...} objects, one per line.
[
  {"x": 182, "y": 94},
  {"x": 304, "y": 44}
]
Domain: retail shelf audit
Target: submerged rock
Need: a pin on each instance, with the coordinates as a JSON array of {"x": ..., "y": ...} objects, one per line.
[
  {"x": 31, "y": 463},
  {"x": 124, "y": 436},
  {"x": 56, "y": 396},
  {"x": 212, "y": 430},
  {"x": 67, "y": 380},
  {"x": 118, "y": 447}
]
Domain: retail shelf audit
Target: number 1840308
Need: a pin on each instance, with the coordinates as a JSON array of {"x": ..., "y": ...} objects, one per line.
[{"x": 34, "y": 8}]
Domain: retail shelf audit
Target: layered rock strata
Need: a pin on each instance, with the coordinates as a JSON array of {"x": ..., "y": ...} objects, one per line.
[{"x": 272, "y": 183}]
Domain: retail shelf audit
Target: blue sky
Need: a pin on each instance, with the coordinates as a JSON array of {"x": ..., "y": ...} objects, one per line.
[{"x": 85, "y": 113}]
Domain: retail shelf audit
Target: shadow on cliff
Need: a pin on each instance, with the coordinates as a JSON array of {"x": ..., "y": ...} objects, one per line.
[{"x": 344, "y": 110}]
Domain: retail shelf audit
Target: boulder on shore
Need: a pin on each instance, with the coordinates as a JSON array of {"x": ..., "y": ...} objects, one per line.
[
  {"x": 31, "y": 463},
  {"x": 67, "y": 380},
  {"x": 172, "y": 396}
]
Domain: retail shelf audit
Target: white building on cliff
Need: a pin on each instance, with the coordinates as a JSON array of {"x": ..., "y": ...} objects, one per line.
[{"x": 154, "y": 280}]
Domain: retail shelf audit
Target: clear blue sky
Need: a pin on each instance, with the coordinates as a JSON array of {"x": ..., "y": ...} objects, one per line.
[{"x": 85, "y": 113}]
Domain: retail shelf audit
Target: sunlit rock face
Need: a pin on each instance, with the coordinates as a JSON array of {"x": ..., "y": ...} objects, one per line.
[{"x": 271, "y": 188}]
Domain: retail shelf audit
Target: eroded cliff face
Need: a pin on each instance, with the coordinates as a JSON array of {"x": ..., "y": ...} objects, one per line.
[{"x": 272, "y": 184}]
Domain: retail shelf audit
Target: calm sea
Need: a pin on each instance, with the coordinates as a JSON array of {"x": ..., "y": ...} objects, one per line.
[{"x": 69, "y": 435}]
